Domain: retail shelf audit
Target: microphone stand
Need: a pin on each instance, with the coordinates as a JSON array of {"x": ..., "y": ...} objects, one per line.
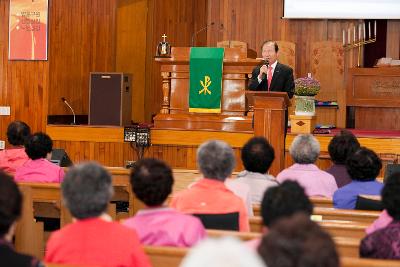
[
  {"x": 69, "y": 106},
  {"x": 202, "y": 29}
]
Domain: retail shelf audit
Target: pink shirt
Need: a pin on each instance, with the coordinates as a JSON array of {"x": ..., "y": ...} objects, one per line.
[
  {"x": 39, "y": 170},
  {"x": 384, "y": 220},
  {"x": 95, "y": 242},
  {"x": 315, "y": 181},
  {"x": 166, "y": 227},
  {"x": 13, "y": 158}
]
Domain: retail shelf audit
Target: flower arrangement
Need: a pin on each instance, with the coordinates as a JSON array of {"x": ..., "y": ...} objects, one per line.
[{"x": 306, "y": 86}]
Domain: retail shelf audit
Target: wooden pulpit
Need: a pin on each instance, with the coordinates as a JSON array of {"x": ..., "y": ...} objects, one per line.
[
  {"x": 174, "y": 113},
  {"x": 269, "y": 121}
]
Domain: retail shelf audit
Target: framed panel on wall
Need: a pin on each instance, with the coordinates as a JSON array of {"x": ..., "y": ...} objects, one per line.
[{"x": 28, "y": 26}]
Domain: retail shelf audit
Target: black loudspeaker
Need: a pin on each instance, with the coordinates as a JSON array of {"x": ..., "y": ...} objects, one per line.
[
  {"x": 110, "y": 99},
  {"x": 60, "y": 157}
]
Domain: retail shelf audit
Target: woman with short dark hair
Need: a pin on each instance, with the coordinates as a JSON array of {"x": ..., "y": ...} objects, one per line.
[
  {"x": 39, "y": 168},
  {"x": 157, "y": 224},
  {"x": 363, "y": 166},
  {"x": 385, "y": 243},
  {"x": 10, "y": 211},
  {"x": 340, "y": 148},
  {"x": 14, "y": 157},
  {"x": 93, "y": 239}
]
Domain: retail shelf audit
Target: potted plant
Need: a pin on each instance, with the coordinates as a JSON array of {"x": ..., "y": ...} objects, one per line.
[{"x": 304, "y": 92}]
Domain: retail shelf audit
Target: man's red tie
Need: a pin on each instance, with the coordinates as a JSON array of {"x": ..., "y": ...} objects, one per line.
[{"x": 269, "y": 77}]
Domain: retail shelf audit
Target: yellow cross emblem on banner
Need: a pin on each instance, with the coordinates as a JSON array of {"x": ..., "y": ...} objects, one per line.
[{"x": 206, "y": 83}]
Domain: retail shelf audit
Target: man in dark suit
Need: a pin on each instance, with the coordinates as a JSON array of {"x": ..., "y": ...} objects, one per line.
[{"x": 272, "y": 75}]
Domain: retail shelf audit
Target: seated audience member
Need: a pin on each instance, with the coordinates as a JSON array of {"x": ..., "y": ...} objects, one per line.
[
  {"x": 298, "y": 242},
  {"x": 363, "y": 167},
  {"x": 209, "y": 195},
  {"x": 257, "y": 156},
  {"x": 159, "y": 225},
  {"x": 39, "y": 168},
  {"x": 15, "y": 156},
  {"x": 385, "y": 242},
  {"x": 340, "y": 148},
  {"x": 222, "y": 252},
  {"x": 304, "y": 151},
  {"x": 10, "y": 211},
  {"x": 93, "y": 239},
  {"x": 282, "y": 201}
]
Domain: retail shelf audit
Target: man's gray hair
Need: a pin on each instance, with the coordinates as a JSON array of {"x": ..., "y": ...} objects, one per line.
[
  {"x": 87, "y": 189},
  {"x": 304, "y": 149},
  {"x": 216, "y": 160}
]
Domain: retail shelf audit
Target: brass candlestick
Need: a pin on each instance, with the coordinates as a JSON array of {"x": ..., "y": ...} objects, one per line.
[{"x": 359, "y": 44}]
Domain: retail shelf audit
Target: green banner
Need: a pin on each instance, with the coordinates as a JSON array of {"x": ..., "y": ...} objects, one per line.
[{"x": 205, "y": 79}]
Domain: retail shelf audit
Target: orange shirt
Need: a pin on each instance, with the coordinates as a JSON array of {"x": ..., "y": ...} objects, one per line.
[{"x": 212, "y": 197}]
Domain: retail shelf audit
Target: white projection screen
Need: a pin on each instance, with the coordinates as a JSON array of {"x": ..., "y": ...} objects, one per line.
[{"x": 341, "y": 9}]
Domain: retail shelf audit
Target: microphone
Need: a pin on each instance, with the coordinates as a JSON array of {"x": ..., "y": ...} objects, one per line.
[
  {"x": 66, "y": 103},
  {"x": 223, "y": 30},
  {"x": 266, "y": 63},
  {"x": 199, "y": 31}
]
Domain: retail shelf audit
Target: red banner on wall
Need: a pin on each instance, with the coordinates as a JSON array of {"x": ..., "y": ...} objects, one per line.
[{"x": 28, "y": 30}]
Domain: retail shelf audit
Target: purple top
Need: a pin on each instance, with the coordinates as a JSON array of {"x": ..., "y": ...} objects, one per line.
[
  {"x": 346, "y": 197},
  {"x": 39, "y": 171},
  {"x": 315, "y": 181},
  {"x": 383, "y": 243},
  {"x": 340, "y": 173},
  {"x": 166, "y": 227}
]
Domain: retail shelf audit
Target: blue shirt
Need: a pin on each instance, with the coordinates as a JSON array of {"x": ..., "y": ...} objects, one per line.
[{"x": 346, "y": 197}]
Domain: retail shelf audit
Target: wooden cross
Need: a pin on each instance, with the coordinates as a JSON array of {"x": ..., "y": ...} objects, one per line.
[{"x": 164, "y": 36}]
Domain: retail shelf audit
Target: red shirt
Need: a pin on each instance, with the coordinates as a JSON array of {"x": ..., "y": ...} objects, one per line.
[
  {"x": 211, "y": 196},
  {"x": 13, "y": 158},
  {"x": 95, "y": 242}
]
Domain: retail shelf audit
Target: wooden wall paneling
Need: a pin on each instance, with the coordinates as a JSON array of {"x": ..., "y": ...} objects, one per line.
[
  {"x": 326, "y": 115},
  {"x": 82, "y": 40},
  {"x": 131, "y": 49},
  {"x": 393, "y": 39},
  {"x": 377, "y": 118},
  {"x": 262, "y": 20},
  {"x": 327, "y": 66},
  {"x": 23, "y": 84},
  {"x": 178, "y": 19}
]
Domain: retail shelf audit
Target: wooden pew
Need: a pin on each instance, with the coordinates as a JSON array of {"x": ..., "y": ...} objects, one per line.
[
  {"x": 320, "y": 202},
  {"x": 172, "y": 257},
  {"x": 29, "y": 233},
  {"x": 346, "y": 246},
  {"x": 165, "y": 256},
  {"x": 335, "y": 228},
  {"x": 359, "y": 262},
  {"x": 367, "y": 216},
  {"x": 364, "y": 216},
  {"x": 123, "y": 192}
]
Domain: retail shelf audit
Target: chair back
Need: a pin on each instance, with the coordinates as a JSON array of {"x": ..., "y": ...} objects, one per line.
[
  {"x": 364, "y": 203},
  {"x": 226, "y": 221}
]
